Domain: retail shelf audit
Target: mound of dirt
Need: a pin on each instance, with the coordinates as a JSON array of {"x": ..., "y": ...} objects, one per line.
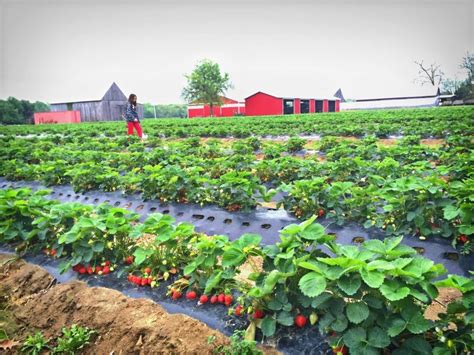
[{"x": 123, "y": 325}]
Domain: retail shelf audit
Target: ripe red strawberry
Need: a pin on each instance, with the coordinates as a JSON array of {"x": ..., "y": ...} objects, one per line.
[
  {"x": 82, "y": 270},
  {"x": 129, "y": 260},
  {"x": 147, "y": 270},
  {"x": 149, "y": 280},
  {"x": 258, "y": 314},
  {"x": 300, "y": 321},
  {"x": 321, "y": 212},
  {"x": 214, "y": 299},
  {"x": 203, "y": 299},
  {"x": 105, "y": 270},
  {"x": 97, "y": 269},
  {"x": 191, "y": 295},
  {"x": 137, "y": 280},
  {"x": 221, "y": 298},
  {"x": 238, "y": 310},
  {"x": 176, "y": 295},
  {"x": 130, "y": 277},
  {"x": 90, "y": 271},
  {"x": 228, "y": 300},
  {"x": 107, "y": 263},
  {"x": 143, "y": 281},
  {"x": 52, "y": 252},
  {"x": 462, "y": 238}
]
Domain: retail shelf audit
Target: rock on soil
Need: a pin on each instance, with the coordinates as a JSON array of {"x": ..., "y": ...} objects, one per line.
[{"x": 124, "y": 325}]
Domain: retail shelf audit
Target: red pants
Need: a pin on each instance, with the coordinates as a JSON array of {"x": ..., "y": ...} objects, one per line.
[{"x": 136, "y": 125}]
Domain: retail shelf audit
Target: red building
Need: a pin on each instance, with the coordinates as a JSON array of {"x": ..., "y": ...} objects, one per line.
[
  {"x": 262, "y": 104},
  {"x": 57, "y": 117},
  {"x": 228, "y": 108}
]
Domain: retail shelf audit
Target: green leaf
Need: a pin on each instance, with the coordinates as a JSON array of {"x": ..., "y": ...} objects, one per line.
[
  {"x": 141, "y": 254},
  {"x": 378, "y": 337},
  {"x": 419, "y": 345},
  {"x": 98, "y": 247},
  {"x": 340, "y": 324},
  {"x": 373, "y": 279},
  {"x": 396, "y": 326},
  {"x": 394, "y": 291},
  {"x": 357, "y": 312},
  {"x": 313, "y": 232},
  {"x": 312, "y": 284},
  {"x": 350, "y": 284},
  {"x": 310, "y": 265},
  {"x": 450, "y": 212},
  {"x": 232, "y": 257},
  {"x": 411, "y": 216},
  {"x": 380, "y": 265},
  {"x": 268, "y": 326},
  {"x": 417, "y": 324},
  {"x": 285, "y": 318},
  {"x": 375, "y": 246},
  {"x": 319, "y": 300},
  {"x": 213, "y": 281},
  {"x": 248, "y": 239},
  {"x": 355, "y": 337}
]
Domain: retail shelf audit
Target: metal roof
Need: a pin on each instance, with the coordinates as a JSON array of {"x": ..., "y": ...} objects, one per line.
[
  {"x": 112, "y": 91},
  {"x": 401, "y": 102},
  {"x": 303, "y": 97}
]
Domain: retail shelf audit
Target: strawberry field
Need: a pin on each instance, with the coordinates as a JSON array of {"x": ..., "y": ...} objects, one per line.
[{"x": 342, "y": 227}]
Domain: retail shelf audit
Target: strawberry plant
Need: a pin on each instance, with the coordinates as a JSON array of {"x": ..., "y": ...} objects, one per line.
[{"x": 101, "y": 235}]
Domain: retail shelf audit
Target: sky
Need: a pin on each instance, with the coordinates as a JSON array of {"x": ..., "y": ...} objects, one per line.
[{"x": 71, "y": 50}]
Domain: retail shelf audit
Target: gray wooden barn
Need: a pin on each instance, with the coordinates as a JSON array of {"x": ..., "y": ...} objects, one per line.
[{"x": 109, "y": 108}]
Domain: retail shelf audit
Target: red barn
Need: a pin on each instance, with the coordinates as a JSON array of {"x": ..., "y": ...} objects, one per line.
[
  {"x": 57, "y": 117},
  {"x": 262, "y": 104},
  {"x": 229, "y": 107}
]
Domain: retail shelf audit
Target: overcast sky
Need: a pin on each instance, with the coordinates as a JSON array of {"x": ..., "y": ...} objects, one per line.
[{"x": 62, "y": 50}]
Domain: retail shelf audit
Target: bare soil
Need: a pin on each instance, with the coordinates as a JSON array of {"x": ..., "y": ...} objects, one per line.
[
  {"x": 445, "y": 297},
  {"x": 30, "y": 300}
]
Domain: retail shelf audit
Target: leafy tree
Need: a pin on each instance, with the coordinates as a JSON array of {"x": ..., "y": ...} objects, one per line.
[
  {"x": 206, "y": 84},
  {"x": 450, "y": 86},
  {"x": 9, "y": 113},
  {"x": 14, "y": 111},
  {"x": 39, "y": 106},
  {"x": 164, "y": 111}
]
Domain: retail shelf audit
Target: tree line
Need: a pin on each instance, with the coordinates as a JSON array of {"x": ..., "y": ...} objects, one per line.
[
  {"x": 165, "y": 111},
  {"x": 14, "y": 111}
]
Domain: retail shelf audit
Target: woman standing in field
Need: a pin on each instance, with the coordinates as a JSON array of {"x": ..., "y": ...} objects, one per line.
[{"x": 131, "y": 116}]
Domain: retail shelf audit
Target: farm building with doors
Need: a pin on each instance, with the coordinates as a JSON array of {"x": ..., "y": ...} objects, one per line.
[
  {"x": 109, "y": 108},
  {"x": 228, "y": 108},
  {"x": 263, "y": 104}
]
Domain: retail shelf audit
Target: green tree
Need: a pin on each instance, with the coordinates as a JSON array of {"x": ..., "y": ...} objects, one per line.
[
  {"x": 39, "y": 106},
  {"x": 9, "y": 114},
  {"x": 206, "y": 84}
]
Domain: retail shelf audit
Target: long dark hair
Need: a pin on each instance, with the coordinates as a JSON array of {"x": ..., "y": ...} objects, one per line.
[{"x": 132, "y": 99}]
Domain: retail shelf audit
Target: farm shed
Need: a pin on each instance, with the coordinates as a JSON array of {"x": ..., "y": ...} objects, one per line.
[
  {"x": 229, "y": 107},
  {"x": 393, "y": 102},
  {"x": 263, "y": 104},
  {"x": 108, "y": 108}
]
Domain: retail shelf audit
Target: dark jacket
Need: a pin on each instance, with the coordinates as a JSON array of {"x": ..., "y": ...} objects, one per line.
[{"x": 131, "y": 112}]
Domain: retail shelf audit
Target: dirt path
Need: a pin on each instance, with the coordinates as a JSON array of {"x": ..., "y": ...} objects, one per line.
[{"x": 31, "y": 301}]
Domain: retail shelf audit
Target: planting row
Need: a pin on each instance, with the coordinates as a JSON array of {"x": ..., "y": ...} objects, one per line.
[
  {"x": 406, "y": 188},
  {"x": 437, "y": 122},
  {"x": 368, "y": 299}
]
